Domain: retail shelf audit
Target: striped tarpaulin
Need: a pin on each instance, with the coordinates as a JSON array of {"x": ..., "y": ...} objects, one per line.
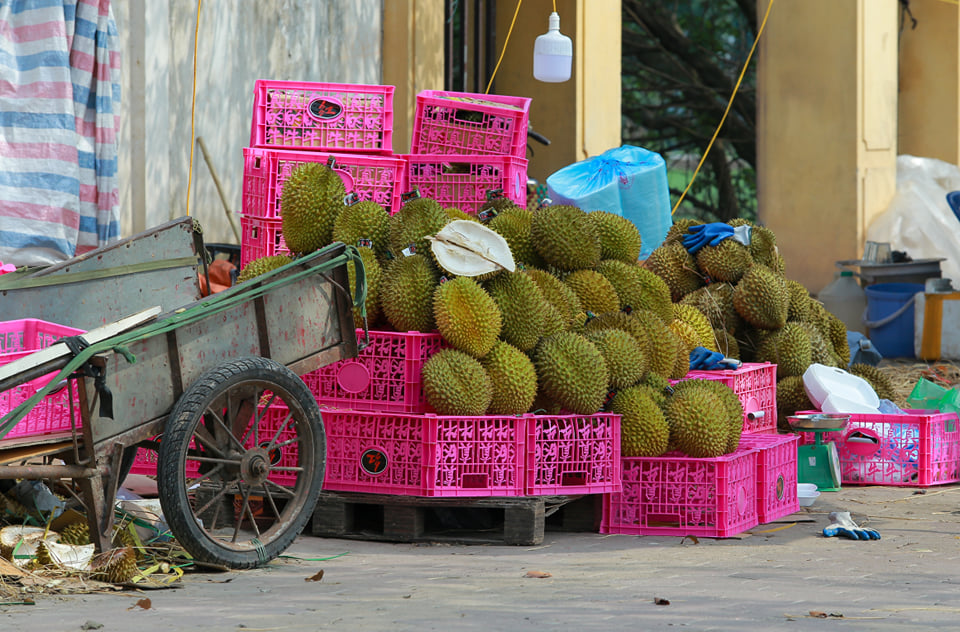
[{"x": 59, "y": 120}]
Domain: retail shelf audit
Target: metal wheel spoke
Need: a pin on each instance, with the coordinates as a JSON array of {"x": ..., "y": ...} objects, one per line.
[
  {"x": 245, "y": 508},
  {"x": 220, "y": 423},
  {"x": 292, "y": 441},
  {"x": 218, "y": 496},
  {"x": 286, "y": 468},
  {"x": 282, "y": 427},
  {"x": 286, "y": 491},
  {"x": 273, "y": 505},
  {"x": 193, "y": 482},
  {"x": 203, "y": 437}
]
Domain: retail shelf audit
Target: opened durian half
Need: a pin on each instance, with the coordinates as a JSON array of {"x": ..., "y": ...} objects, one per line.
[{"x": 466, "y": 248}]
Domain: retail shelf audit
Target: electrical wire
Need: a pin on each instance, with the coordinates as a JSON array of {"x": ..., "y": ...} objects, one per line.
[
  {"x": 193, "y": 105},
  {"x": 727, "y": 111},
  {"x": 505, "y": 42}
]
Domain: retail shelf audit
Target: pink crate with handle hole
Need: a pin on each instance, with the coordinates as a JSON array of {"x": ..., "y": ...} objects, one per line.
[
  {"x": 384, "y": 377},
  {"x": 755, "y": 384},
  {"x": 19, "y": 338},
  {"x": 323, "y": 116},
  {"x": 424, "y": 455},
  {"x": 918, "y": 449},
  {"x": 469, "y": 123},
  {"x": 572, "y": 454},
  {"x": 776, "y": 474},
  {"x": 467, "y": 182},
  {"x": 260, "y": 237},
  {"x": 377, "y": 178},
  {"x": 680, "y": 495}
]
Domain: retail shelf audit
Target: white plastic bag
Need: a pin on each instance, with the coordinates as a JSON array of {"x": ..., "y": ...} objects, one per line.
[{"x": 918, "y": 220}]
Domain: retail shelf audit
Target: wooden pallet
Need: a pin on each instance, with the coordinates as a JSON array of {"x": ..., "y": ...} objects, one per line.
[{"x": 501, "y": 520}]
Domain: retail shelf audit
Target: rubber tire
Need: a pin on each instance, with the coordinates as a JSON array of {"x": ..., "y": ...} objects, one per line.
[{"x": 171, "y": 482}]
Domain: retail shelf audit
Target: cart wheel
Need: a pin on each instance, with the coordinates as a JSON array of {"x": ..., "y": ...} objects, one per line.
[{"x": 241, "y": 463}]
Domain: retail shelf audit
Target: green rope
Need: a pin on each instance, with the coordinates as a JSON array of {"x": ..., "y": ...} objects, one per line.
[
  {"x": 215, "y": 304},
  {"x": 314, "y": 559}
]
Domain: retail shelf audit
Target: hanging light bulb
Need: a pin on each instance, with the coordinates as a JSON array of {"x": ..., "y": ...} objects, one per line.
[{"x": 552, "y": 54}]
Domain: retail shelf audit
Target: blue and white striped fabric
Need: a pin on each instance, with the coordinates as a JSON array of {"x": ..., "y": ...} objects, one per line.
[{"x": 59, "y": 120}]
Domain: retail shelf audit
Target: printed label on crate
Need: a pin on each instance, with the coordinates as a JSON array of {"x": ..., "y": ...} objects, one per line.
[
  {"x": 373, "y": 461},
  {"x": 325, "y": 109}
]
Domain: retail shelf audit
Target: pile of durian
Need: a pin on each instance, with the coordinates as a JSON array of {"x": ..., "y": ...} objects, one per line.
[{"x": 567, "y": 320}]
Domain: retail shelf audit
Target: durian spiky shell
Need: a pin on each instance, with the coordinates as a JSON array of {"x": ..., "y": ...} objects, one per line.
[
  {"x": 406, "y": 293},
  {"x": 733, "y": 411},
  {"x": 789, "y": 348},
  {"x": 558, "y": 294},
  {"x": 565, "y": 237},
  {"x": 413, "y": 222},
  {"x": 467, "y": 316},
  {"x": 791, "y": 398},
  {"x": 513, "y": 378},
  {"x": 619, "y": 237},
  {"x": 638, "y": 288},
  {"x": 364, "y": 220},
  {"x": 562, "y": 361},
  {"x": 662, "y": 344},
  {"x": 687, "y": 341},
  {"x": 879, "y": 380},
  {"x": 798, "y": 305},
  {"x": 679, "y": 229},
  {"x": 594, "y": 292},
  {"x": 455, "y": 383},
  {"x": 715, "y": 301},
  {"x": 700, "y": 324},
  {"x": 373, "y": 275},
  {"x": 697, "y": 420},
  {"x": 262, "y": 265},
  {"x": 455, "y": 213},
  {"x": 523, "y": 307},
  {"x": 624, "y": 357},
  {"x": 116, "y": 566},
  {"x": 77, "y": 533},
  {"x": 763, "y": 248},
  {"x": 643, "y": 428},
  {"x": 514, "y": 225},
  {"x": 726, "y": 344},
  {"x": 725, "y": 262},
  {"x": 677, "y": 267},
  {"x": 761, "y": 298},
  {"x": 312, "y": 198}
]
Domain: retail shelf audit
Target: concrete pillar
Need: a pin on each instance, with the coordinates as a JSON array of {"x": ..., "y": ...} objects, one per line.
[
  {"x": 930, "y": 82},
  {"x": 826, "y": 128}
]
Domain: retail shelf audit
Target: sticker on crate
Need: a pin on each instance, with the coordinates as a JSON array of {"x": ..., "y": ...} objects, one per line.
[
  {"x": 322, "y": 116},
  {"x": 919, "y": 448},
  {"x": 385, "y": 375},
  {"x": 573, "y": 454},
  {"x": 755, "y": 384},
  {"x": 680, "y": 495},
  {"x": 20, "y": 338},
  {"x": 467, "y": 182},
  {"x": 423, "y": 455},
  {"x": 370, "y": 177},
  {"x": 468, "y": 123},
  {"x": 777, "y": 474}
]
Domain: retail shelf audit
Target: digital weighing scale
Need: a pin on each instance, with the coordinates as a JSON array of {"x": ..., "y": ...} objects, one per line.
[{"x": 818, "y": 462}]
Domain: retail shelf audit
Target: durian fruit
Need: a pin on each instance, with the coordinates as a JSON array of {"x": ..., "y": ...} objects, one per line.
[
  {"x": 879, "y": 380},
  {"x": 679, "y": 229},
  {"x": 365, "y": 220},
  {"x": 18, "y": 543},
  {"x": 700, "y": 324},
  {"x": 643, "y": 428},
  {"x": 798, "y": 306},
  {"x": 659, "y": 388},
  {"x": 624, "y": 357},
  {"x": 821, "y": 351},
  {"x": 77, "y": 533},
  {"x": 698, "y": 420},
  {"x": 595, "y": 293},
  {"x": 116, "y": 566},
  {"x": 677, "y": 267},
  {"x": 262, "y": 265},
  {"x": 312, "y": 198},
  {"x": 662, "y": 344},
  {"x": 373, "y": 275},
  {"x": 761, "y": 298},
  {"x": 571, "y": 371},
  {"x": 791, "y": 398},
  {"x": 455, "y": 213},
  {"x": 687, "y": 341},
  {"x": 413, "y": 222},
  {"x": 726, "y": 344},
  {"x": 53, "y": 554},
  {"x": 725, "y": 262},
  {"x": 763, "y": 248},
  {"x": 514, "y": 225},
  {"x": 406, "y": 293},
  {"x": 523, "y": 307},
  {"x": 619, "y": 237},
  {"x": 565, "y": 237},
  {"x": 465, "y": 248},
  {"x": 637, "y": 288},
  {"x": 513, "y": 378},
  {"x": 733, "y": 411},
  {"x": 466, "y": 316},
  {"x": 715, "y": 301},
  {"x": 789, "y": 348},
  {"x": 455, "y": 383},
  {"x": 558, "y": 294}
]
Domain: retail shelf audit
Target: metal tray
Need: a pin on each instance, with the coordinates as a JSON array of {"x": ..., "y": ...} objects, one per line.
[{"x": 821, "y": 421}]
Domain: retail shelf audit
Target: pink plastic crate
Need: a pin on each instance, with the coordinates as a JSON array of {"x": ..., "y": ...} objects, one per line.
[
  {"x": 19, "y": 338},
  {"x": 384, "y": 377},
  {"x": 918, "y": 449},
  {"x": 572, "y": 454},
  {"x": 468, "y": 123},
  {"x": 755, "y": 383},
  {"x": 322, "y": 116},
  {"x": 145, "y": 463},
  {"x": 466, "y": 182},
  {"x": 260, "y": 237},
  {"x": 424, "y": 455},
  {"x": 679, "y": 495},
  {"x": 377, "y": 178},
  {"x": 776, "y": 474}
]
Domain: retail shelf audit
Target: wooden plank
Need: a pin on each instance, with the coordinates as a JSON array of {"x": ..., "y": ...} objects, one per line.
[{"x": 22, "y": 453}]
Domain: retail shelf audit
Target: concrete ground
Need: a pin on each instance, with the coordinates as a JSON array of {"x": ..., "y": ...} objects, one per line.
[{"x": 779, "y": 576}]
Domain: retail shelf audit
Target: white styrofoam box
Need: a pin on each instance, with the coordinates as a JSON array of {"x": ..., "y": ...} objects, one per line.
[{"x": 821, "y": 381}]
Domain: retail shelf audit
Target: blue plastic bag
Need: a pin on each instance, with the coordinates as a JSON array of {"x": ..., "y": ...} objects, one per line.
[{"x": 627, "y": 181}]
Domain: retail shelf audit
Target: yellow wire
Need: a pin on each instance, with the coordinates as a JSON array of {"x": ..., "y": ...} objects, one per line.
[
  {"x": 727, "y": 111},
  {"x": 554, "y": 6},
  {"x": 505, "y": 42},
  {"x": 193, "y": 105}
]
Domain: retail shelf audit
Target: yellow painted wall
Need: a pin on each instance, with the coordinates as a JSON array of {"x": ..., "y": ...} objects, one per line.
[
  {"x": 412, "y": 58},
  {"x": 826, "y": 128},
  {"x": 581, "y": 117},
  {"x": 929, "y": 86}
]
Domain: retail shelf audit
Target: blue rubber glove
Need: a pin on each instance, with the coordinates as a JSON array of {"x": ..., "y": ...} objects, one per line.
[
  {"x": 702, "y": 359},
  {"x": 712, "y": 234},
  {"x": 842, "y": 525}
]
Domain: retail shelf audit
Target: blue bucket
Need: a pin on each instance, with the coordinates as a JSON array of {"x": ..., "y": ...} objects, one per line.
[{"x": 890, "y": 317}]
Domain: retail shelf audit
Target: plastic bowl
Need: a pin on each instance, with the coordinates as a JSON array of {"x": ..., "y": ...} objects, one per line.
[{"x": 807, "y": 493}]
